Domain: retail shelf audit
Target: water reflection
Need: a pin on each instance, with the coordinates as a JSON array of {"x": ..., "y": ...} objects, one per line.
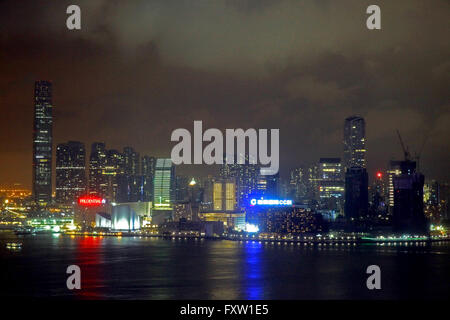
[
  {"x": 89, "y": 259},
  {"x": 253, "y": 271}
]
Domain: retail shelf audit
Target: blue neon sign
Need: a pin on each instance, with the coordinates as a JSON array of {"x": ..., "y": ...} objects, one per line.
[{"x": 270, "y": 202}]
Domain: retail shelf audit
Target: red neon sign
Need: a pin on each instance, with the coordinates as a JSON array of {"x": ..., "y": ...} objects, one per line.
[{"x": 91, "y": 201}]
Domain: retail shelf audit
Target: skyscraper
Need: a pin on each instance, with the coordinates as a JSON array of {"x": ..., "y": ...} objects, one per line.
[
  {"x": 409, "y": 215},
  {"x": 354, "y": 142},
  {"x": 394, "y": 170},
  {"x": 114, "y": 167},
  {"x": 148, "y": 173},
  {"x": 356, "y": 194},
  {"x": 131, "y": 162},
  {"x": 98, "y": 182},
  {"x": 70, "y": 171},
  {"x": 224, "y": 195},
  {"x": 245, "y": 175},
  {"x": 331, "y": 185},
  {"x": 42, "y": 142},
  {"x": 163, "y": 183}
]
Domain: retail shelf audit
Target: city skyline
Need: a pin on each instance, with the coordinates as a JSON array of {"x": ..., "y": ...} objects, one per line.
[
  {"x": 136, "y": 90},
  {"x": 216, "y": 156}
]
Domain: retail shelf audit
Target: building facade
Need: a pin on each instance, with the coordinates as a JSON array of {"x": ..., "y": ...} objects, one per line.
[
  {"x": 355, "y": 142},
  {"x": 42, "y": 143},
  {"x": 70, "y": 171}
]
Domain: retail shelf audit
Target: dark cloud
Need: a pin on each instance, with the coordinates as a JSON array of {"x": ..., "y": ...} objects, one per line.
[{"x": 139, "y": 69}]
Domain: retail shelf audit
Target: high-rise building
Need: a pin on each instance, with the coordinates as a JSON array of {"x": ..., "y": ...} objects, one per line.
[
  {"x": 409, "y": 215},
  {"x": 331, "y": 184},
  {"x": 114, "y": 167},
  {"x": 354, "y": 142},
  {"x": 224, "y": 195},
  {"x": 394, "y": 170},
  {"x": 131, "y": 162},
  {"x": 181, "y": 188},
  {"x": 98, "y": 182},
  {"x": 70, "y": 171},
  {"x": 268, "y": 185},
  {"x": 246, "y": 177},
  {"x": 42, "y": 143},
  {"x": 163, "y": 183},
  {"x": 378, "y": 196},
  {"x": 356, "y": 194},
  {"x": 148, "y": 173}
]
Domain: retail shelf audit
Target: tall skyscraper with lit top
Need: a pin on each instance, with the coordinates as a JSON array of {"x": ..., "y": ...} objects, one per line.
[
  {"x": 355, "y": 142},
  {"x": 42, "y": 143}
]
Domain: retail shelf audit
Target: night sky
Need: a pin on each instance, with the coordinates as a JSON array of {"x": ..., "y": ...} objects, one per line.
[{"x": 138, "y": 70}]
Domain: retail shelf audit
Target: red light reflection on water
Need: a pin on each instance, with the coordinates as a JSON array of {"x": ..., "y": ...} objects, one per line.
[{"x": 89, "y": 259}]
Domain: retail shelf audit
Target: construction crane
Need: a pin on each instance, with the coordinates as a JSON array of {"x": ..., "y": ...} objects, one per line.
[{"x": 405, "y": 149}]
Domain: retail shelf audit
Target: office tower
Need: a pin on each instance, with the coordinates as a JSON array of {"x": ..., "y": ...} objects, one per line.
[
  {"x": 181, "y": 188},
  {"x": 163, "y": 183},
  {"x": 42, "y": 143},
  {"x": 267, "y": 185},
  {"x": 378, "y": 195},
  {"x": 70, "y": 171},
  {"x": 299, "y": 181},
  {"x": 148, "y": 173},
  {"x": 98, "y": 182},
  {"x": 130, "y": 188},
  {"x": 433, "y": 207},
  {"x": 356, "y": 194},
  {"x": 224, "y": 195},
  {"x": 148, "y": 166},
  {"x": 114, "y": 167},
  {"x": 394, "y": 170},
  {"x": 354, "y": 142},
  {"x": 409, "y": 215},
  {"x": 331, "y": 185},
  {"x": 131, "y": 162},
  {"x": 313, "y": 182},
  {"x": 245, "y": 175}
]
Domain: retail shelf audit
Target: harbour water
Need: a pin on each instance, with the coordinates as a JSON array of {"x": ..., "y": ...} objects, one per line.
[{"x": 154, "y": 268}]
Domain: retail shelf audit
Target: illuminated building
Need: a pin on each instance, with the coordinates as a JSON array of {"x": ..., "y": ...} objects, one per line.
[
  {"x": 267, "y": 185},
  {"x": 298, "y": 183},
  {"x": 86, "y": 209},
  {"x": 113, "y": 168},
  {"x": 224, "y": 195},
  {"x": 70, "y": 171},
  {"x": 408, "y": 200},
  {"x": 124, "y": 218},
  {"x": 42, "y": 143},
  {"x": 433, "y": 204},
  {"x": 233, "y": 220},
  {"x": 285, "y": 219},
  {"x": 331, "y": 185},
  {"x": 148, "y": 172},
  {"x": 163, "y": 181},
  {"x": 52, "y": 224},
  {"x": 98, "y": 182},
  {"x": 103, "y": 220},
  {"x": 131, "y": 188},
  {"x": 356, "y": 194},
  {"x": 131, "y": 162},
  {"x": 355, "y": 142},
  {"x": 379, "y": 196},
  {"x": 394, "y": 170},
  {"x": 245, "y": 175}
]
